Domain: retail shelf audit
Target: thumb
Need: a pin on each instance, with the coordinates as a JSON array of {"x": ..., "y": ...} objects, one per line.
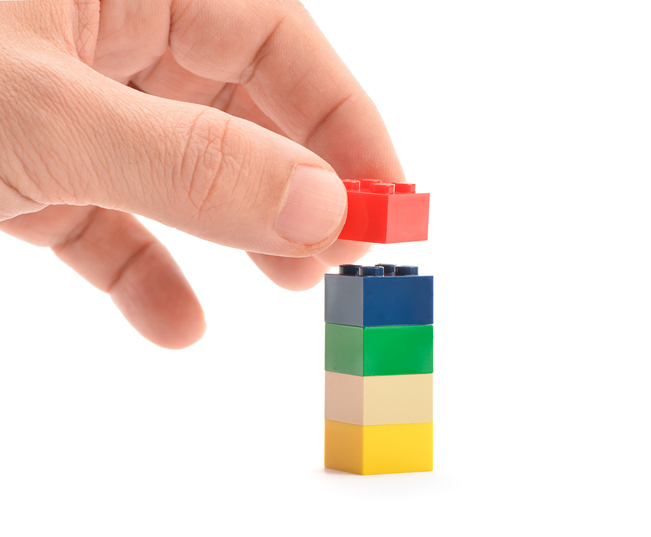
[{"x": 86, "y": 140}]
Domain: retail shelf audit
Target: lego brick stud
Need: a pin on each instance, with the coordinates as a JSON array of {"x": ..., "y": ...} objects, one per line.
[
  {"x": 371, "y": 271},
  {"x": 389, "y": 270},
  {"x": 349, "y": 270},
  {"x": 405, "y": 270}
]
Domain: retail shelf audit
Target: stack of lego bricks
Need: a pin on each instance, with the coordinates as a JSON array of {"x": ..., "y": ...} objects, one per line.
[{"x": 379, "y": 365}]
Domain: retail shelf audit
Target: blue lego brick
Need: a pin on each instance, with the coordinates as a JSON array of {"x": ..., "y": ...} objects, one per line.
[{"x": 356, "y": 298}]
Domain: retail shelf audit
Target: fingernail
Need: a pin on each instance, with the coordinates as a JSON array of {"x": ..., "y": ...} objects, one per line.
[{"x": 314, "y": 205}]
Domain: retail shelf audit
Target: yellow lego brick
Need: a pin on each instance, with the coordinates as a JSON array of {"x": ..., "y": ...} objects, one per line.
[
  {"x": 378, "y": 449},
  {"x": 381, "y": 400}
]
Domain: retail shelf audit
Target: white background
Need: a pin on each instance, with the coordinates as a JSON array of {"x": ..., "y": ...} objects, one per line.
[{"x": 530, "y": 124}]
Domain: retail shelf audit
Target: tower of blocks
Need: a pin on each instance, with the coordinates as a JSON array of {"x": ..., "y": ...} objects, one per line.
[{"x": 379, "y": 365}]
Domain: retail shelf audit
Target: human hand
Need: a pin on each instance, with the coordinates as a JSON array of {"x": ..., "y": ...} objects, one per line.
[{"x": 244, "y": 113}]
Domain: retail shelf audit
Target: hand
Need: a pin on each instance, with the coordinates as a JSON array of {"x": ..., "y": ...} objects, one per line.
[{"x": 225, "y": 119}]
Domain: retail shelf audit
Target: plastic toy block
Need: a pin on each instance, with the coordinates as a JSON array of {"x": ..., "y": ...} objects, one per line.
[
  {"x": 378, "y": 400},
  {"x": 370, "y": 300},
  {"x": 385, "y": 212},
  {"x": 378, "y": 449},
  {"x": 379, "y": 350}
]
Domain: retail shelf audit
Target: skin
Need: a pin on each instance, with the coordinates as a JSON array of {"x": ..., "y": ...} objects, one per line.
[{"x": 190, "y": 112}]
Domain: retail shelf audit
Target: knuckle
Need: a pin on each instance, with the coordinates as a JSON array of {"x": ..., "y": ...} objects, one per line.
[
  {"x": 214, "y": 159},
  {"x": 18, "y": 159},
  {"x": 37, "y": 111}
]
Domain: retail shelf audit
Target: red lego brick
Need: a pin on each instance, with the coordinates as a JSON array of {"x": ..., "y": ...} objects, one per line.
[{"x": 385, "y": 212}]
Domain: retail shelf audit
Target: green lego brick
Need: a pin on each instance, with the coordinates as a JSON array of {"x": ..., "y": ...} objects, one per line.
[
  {"x": 398, "y": 350},
  {"x": 379, "y": 350},
  {"x": 344, "y": 349}
]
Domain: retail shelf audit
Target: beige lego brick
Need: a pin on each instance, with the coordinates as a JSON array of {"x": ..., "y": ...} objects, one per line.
[{"x": 379, "y": 400}]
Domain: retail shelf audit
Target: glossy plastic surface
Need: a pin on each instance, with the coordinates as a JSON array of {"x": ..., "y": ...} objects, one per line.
[
  {"x": 379, "y": 350},
  {"x": 385, "y": 212},
  {"x": 385, "y": 400},
  {"x": 379, "y": 301},
  {"x": 378, "y": 449}
]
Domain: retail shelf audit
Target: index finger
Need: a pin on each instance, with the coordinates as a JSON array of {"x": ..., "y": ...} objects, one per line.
[{"x": 277, "y": 52}]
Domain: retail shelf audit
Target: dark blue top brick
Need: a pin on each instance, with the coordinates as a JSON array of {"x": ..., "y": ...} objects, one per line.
[{"x": 376, "y": 300}]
